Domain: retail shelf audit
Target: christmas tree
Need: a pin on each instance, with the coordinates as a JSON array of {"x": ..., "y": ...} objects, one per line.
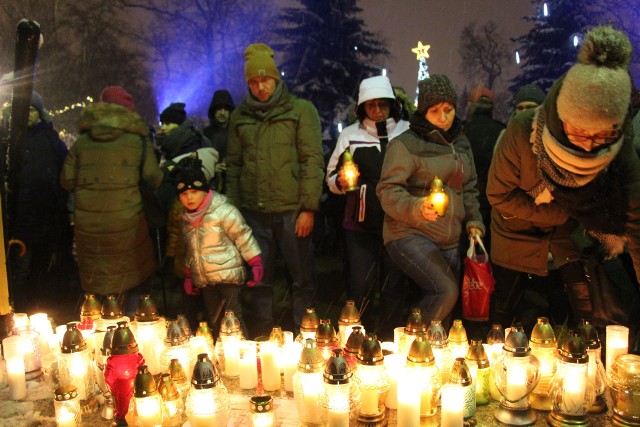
[{"x": 422, "y": 53}]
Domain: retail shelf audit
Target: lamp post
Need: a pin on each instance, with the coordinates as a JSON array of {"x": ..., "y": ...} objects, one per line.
[
  {"x": 517, "y": 372},
  {"x": 570, "y": 391},
  {"x": 543, "y": 346}
]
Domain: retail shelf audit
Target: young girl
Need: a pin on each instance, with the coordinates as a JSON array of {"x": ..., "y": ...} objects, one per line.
[{"x": 217, "y": 240}]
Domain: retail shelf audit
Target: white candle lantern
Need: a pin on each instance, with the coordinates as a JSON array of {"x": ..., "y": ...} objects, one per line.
[
  {"x": 12, "y": 348},
  {"x": 291, "y": 352},
  {"x": 570, "y": 391},
  {"x": 374, "y": 380},
  {"x": 326, "y": 339},
  {"x": 176, "y": 346},
  {"x": 478, "y": 364},
  {"x": 308, "y": 384},
  {"x": 352, "y": 347},
  {"x": 149, "y": 329},
  {"x": 517, "y": 372},
  {"x": 179, "y": 377},
  {"x": 495, "y": 342},
  {"x": 452, "y": 412},
  {"x": 20, "y": 322},
  {"x": 101, "y": 356},
  {"x": 228, "y": 345},
  {"x": 173, "y": 405},
  {"x": 340, "y": 397},
  {"x": 437, "y": 337},
  {"x": 308, "y": 326},
  {"x": 419, "y": 384},
  {"x": 617, "y": 344},
  {"x": 205, "y": 331},
  {"x": 543, "y": 346},
  {"x": 67, "y": 407},
  {"x": 208, "y": 402},
  {"x": 42, "y": 325},
  {"x": 349, "y": 316},
  {"x": 75, "y": 366},
  {"x": 110, "y": 314},
  {"x": 458, "y": 341},
  {"x": 31, "y": 352},
  {"x": 415, "y": 326},
  {"x": 261, "y": 412},
  {"x": 146, "y": 406},
  {"x": 89, "y": 311},
  {"x": 248, "y": 365},
  {"x": 269, "y": 365},
  {"x": 460, "y": 374},
  {"x": 394, "y": 363},
  {"x": 596, "y": 373}
]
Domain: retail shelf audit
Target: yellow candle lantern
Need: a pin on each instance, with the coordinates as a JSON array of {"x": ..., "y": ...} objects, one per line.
[
  {"x": 625, "y": 390},
  {"x": 458, "y": 341},
  {"x": 205, "y": 331},
  {"x": 173, "y": 405},
  {"x": 461, "y": 375},
  {"x": 438, "y": 197},
  {"x": 543, "y": 346},
  {"x": 350, "y": 171},
  {"x": 110, "y": 314}
]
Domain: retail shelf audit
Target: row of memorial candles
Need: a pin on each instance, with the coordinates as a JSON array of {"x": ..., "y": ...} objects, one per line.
[{"x": 372, "y": 393}]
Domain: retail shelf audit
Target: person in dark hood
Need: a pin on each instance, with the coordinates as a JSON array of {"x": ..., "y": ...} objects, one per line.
[
  {"x": 219, "y": 113},
  {"x": 178, "y": 134}
]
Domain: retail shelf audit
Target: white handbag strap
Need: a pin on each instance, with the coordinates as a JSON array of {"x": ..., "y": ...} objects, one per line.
[{"x": 471, "y": 252}]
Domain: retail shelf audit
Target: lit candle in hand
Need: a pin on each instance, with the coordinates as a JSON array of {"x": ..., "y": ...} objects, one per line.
[{"x": 437, "y": 196}]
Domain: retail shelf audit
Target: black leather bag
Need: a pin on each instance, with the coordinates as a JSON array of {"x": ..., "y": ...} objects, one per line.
[{"x": 606, "y": 296}]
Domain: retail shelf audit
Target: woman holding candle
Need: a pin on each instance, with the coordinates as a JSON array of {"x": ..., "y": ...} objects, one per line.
[
  {"x": 422, "y": 243},
  {"x": 563, "y": 169},
  {"x": 366, "y": 140}
]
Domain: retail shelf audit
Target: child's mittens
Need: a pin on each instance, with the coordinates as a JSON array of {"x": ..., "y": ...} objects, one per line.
[
  {"x": 257, "y": 270},
  {"x": 189, "y": 289}
]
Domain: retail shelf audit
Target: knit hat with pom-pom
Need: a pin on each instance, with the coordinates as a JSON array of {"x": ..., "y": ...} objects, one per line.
[
  {"x": 596, "y": 91},
  {"x": 189, "y": 174},
  {"x": 174, "y": 113},
  {"x": 259, "y": 62},
  {"x": 434, "y": 90}
]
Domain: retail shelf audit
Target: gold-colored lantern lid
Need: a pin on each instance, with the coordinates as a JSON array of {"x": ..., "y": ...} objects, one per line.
[
  {"x": 144, "y": 384},
  {"x": 205, "y": 375},
  {"x": 573, "y": 349},
  {"x": 175, "y": 335},
  {"x": 64, "y": 393},
  {"x": 123, "y": 341},
  {"x": 311, "y": 360},
  {"x": 182, "y": 320},
  {"x": 354, "y": 342},
  {"x": 476, "y": 354},
  {"x": 176, "y": 372},
  {"x": 337, "y": 370},
  {"x": 277, "y": 336},
  {"x": 460, "y": 373},
  {"x": 436, "y": 334},
  {"x": 73, "y": 341},
  {"x": 91, "y": 307},
  {"x": 437, "y": 185},
  {"x": 542, "y": 334},
  {"x": 310, "y": 320},
  {"x": 495, "y": 334},
  {"x": 590, "y": 335},
  {"x": 370, "y": 353},
  {"x": 457, "y": 333},
  {"x": 167, "y": 388},
  {"x": 420, "y": 353},
  {"x": 110, "y": 308},
  {"x": 349, "y": 314},
  {"x": 415, "y": 324},
  {"x": 146, "y": 310},
  {"x": 517, "y": 344},
  {"x": 230, "y": 325},
  {"x": 260, "y": 404},
  {"x": 325, "y": 334},
  {"x": 204, "y": 331},
  {"x": 346, "y": 156}
]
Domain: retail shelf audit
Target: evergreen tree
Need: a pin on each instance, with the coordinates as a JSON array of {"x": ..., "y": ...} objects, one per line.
[{"x": 327, "y": 51}]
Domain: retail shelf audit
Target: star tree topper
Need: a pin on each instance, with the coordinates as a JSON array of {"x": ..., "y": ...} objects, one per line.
[{"x": 421, "y": 51}]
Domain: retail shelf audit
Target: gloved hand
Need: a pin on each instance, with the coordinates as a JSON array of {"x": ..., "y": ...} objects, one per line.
[
  {"x": 189, "y": 289},
  {"x": 257, "y": 270}
]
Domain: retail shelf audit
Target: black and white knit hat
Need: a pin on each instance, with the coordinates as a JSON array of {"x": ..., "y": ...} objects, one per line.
[
  {"x": 189, "y": 174},
  {"x": 596, "y": 91},
  {"x": 434, "y": 90}
]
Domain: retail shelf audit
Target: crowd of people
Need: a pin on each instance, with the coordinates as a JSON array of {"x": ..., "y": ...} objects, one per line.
[{"x": 550, "y": 192}]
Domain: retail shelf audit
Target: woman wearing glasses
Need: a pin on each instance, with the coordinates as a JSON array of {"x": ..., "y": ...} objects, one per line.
[{"x": 567, "y": 165}]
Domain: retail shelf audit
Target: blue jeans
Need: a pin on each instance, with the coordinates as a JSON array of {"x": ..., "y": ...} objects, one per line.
[
  {"x": 435, "y": 271},
  {"x": 276, "y": 231}
]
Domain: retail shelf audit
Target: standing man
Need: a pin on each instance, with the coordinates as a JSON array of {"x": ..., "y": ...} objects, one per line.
[
  {"x": 274, "y": 175},
  {"x": 219, "y": 113}
]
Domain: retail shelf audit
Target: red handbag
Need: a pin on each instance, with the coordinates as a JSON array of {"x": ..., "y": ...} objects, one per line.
[{"x": 478, "y": 283}]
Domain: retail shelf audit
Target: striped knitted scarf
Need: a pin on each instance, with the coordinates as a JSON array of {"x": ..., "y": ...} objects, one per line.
[{"x": 588, "y": 185}]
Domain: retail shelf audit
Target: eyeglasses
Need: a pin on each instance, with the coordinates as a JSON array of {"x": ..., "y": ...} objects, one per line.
[{"x": 604, "y": 138}]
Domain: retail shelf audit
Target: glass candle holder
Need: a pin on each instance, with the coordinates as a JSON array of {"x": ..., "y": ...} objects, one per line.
[
  {"x": 308, "y": 384},
  {"x": 67, "y": 407},
  {"x": 42, "y": 325},
  {"x": 248, "y": 365},
  {"x": 438, "y": 197},
  {"x": 596, "y": 373},
  {"x": 437, "y": 337},
  {"x": 176, "y": 346},
  {"x": 31, "y": 353},
  {"x": 308, "y": 325},
  {"x": 75, "y": 365},
  {"x": 452, "y": 405},
  {"x": 458, "y": 341},
  {"x": 326, "y": 338},
  {"x": 149, "y": 329},
  {"x": 340, "y": 397},
  {"x": 208, "y": 403},
  {"x": 495, "y": 342},
  {"x": 394, "y": 364},
  {"x": 13, "y": 354},
  {"x": 269, "y": 366},
  {"x": 350, "y": 171},
  {"x": 624, "y": 382},
  {"x": 173, "y": 405},
  {"x": 374, "y": 380},
  {"x": 480, "y": 370},
  {"x": 415, "y": 326},
  {"x": 617, "y": 343},
  {"x": 146, "y": 409},
  {"x": 291, "y": 352},
  {"x": 349, "y": 317},
  {"x": 110, "y": 314},
  {"x": 261, "y": 412},
  {"x": 543, "y": 346},
  {"x": 89, "y": 311}
]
